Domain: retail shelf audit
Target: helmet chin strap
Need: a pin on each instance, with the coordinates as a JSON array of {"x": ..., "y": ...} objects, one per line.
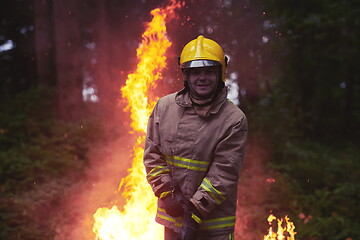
[{"x": 197, "y": 96}]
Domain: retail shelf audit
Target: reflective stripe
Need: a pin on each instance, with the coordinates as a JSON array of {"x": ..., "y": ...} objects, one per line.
[
  {"x": 161, "y": 213},
  {"x": 215, "y": 223},
  {"x": 232, "y": 102},
  {"x": 187, "y": 163},
  {"x": 156, "y": 171},
  {"x": 218, "y": 223},
  {"x": 196, "y": 218},
  {"x": 165, "y": 194},
  {"x": 231, "y": 236},
  {"x": 214, "y": 193}
]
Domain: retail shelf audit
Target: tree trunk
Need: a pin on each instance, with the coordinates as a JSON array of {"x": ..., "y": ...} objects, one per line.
[
  {"x": 348, "y": 109},
  {"x": 107, "y": 90},
  {"x": 44, "y": 43},
  {"x": 68, "y": 49}
]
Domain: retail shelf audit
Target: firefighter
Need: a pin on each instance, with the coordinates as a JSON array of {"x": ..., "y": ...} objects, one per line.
[{"x": 194, "y": 149}]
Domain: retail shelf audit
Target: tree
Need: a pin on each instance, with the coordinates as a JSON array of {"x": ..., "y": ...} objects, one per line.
[
  {"x": 318, "y": 50},
  {"x": 68, "y": 50},
  {"x": 44, "y": 43},
  {"x": 16, "y": 63}
]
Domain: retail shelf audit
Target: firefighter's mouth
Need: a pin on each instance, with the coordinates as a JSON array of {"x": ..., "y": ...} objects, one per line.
[{"x": 203, "y": 84}]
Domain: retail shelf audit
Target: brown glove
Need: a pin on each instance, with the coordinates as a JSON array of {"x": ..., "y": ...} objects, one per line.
[
  {"x": 172, "y": 201},
  {"x": 192, "y": 219}
]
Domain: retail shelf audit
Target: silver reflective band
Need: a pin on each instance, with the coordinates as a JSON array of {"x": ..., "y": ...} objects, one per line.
[{"x": 200, "y": 63}]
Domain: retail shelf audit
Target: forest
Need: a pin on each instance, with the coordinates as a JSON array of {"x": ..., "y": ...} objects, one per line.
[{"x": 64, "y": 133}]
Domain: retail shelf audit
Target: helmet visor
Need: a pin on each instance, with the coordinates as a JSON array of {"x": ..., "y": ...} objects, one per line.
[{"x": 200, "y": 63}]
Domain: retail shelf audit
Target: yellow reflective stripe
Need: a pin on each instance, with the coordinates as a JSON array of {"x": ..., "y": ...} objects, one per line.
[
  {"x": 215, "y": 223},
  {"x": 156, "y": 171},
  {"x": 214, "y": 193},
  {"x": 231, "y": 236},
  {"x": 218, "y": 223},
  {"x": 196, "y": 218},
  {"x": 161, "y": 213},
  {"x": 164, "y": 194},
  {"x": 232, "y": 102},
  {"x": 187, "y": 163}
]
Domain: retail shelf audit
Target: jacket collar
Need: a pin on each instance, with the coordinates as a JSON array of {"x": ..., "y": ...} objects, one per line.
[{"x": 182, "y": 99}]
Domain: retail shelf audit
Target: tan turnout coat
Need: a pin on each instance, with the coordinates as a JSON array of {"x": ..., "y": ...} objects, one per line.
[{"x": 201, "y": 154}]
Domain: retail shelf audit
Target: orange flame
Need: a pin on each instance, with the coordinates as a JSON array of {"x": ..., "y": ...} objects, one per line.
[
  {"x": 136, "y": 219},
  {"x": 285, "y": 229}
]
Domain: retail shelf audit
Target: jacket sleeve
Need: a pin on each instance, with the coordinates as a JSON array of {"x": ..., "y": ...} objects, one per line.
[
  {"x": 158, "y": 173},
  {"x": 222, "y": 177}
]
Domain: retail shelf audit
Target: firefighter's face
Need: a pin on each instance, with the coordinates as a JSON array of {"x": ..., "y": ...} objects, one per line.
[{"x": 203, "y": 80}]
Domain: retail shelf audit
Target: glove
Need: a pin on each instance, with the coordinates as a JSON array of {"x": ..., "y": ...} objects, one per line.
[
  {"x": 192, "y": 219},
  {"x": 172, "y": 201}
]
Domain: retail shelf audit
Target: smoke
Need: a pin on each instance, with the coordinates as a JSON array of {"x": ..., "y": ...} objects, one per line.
[
  {"x": 254, "y": 192},
  {"x": 109, "y": 160},
  {"x": 233, "y": 89},
  {"x": 110, "y": 157}
]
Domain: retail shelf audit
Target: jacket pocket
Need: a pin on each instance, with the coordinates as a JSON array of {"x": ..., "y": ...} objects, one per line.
[{"x": 167, "y": 144}]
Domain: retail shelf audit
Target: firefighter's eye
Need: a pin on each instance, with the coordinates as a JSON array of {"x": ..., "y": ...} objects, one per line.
[{"x": 195, "y": 72}]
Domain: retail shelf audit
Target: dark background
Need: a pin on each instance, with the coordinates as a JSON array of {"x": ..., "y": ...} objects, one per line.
[{"x": 297, "y": 67}]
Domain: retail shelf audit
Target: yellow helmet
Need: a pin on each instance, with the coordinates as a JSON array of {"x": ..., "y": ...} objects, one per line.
[{"x": 203, "y": 52}]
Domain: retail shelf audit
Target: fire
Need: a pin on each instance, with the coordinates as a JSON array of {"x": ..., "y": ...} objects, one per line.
[
  {"x": 135, "y": 220},
  {"x": 285, "y": 229}
]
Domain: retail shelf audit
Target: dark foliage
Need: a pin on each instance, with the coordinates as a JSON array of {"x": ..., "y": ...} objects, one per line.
[
  {"x": 302, "y": 92},
  {"x": 39, "y": 157}
]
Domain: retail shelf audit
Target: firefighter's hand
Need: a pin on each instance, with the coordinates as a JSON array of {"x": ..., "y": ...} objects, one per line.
[
  {"x": 173, "y": 203},
  {"x": 191, "y": 221}
]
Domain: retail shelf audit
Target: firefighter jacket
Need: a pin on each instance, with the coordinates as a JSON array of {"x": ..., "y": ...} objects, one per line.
[{"x": 202, "y": 155}]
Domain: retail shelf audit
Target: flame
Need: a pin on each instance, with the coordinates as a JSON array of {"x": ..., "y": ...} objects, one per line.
[
  {"x": 136, "y": 218},
  {"x": 285, "y": 229}
]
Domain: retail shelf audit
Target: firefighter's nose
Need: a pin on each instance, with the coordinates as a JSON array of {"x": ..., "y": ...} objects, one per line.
[{"x": 202, "y": 75}]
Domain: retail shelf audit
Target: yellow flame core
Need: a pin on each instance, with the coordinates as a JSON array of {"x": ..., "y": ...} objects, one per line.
[
  {"x": 285, "y": 229},
  {"x": 151, "y": 55},
  {"x": 136, "y": 219}
]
